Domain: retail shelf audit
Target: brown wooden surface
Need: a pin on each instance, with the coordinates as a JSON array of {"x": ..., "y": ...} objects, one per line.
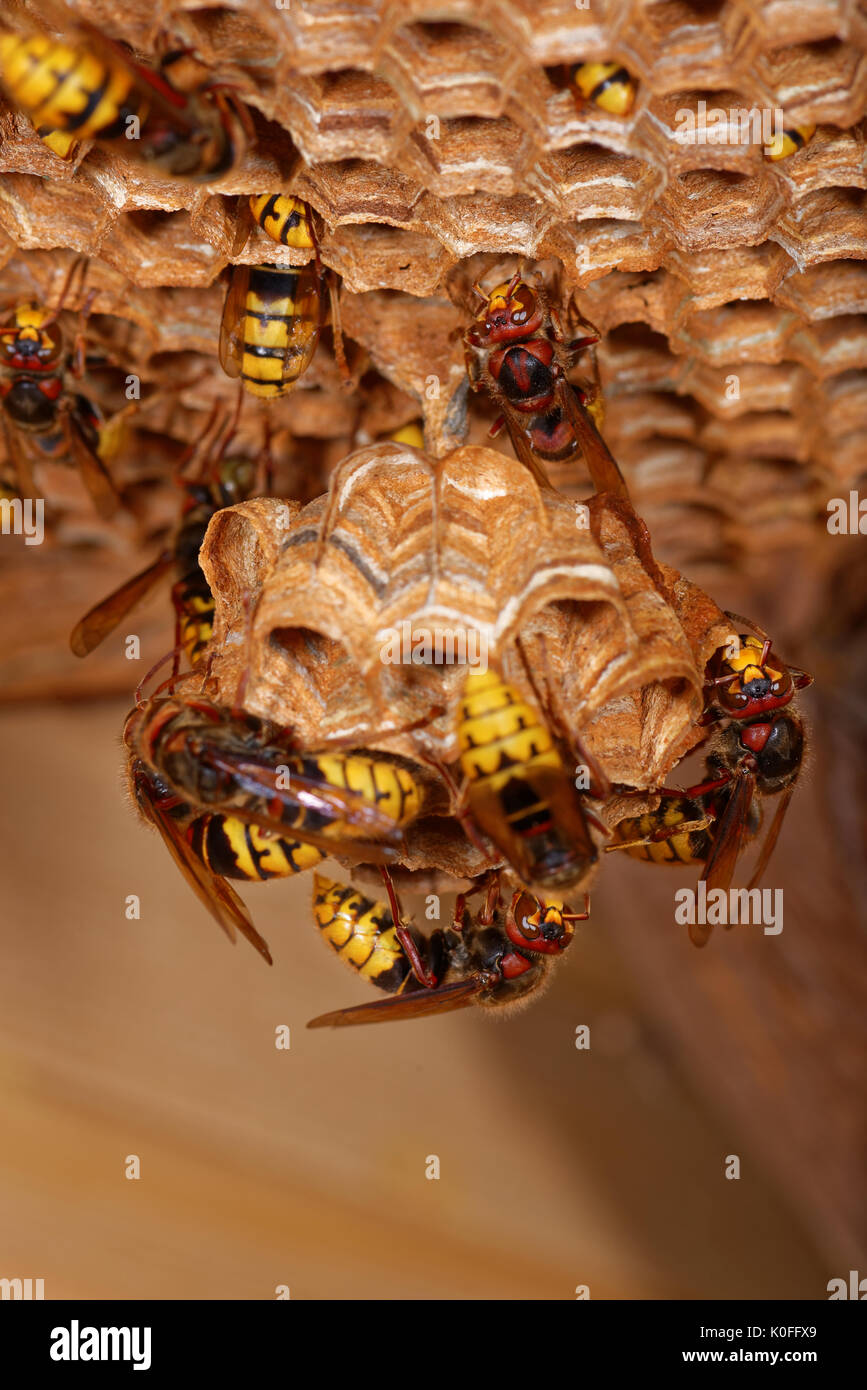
[{"x": 559, "y": 1167}]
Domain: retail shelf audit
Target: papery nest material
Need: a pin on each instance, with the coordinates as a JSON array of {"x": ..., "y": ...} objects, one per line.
[{"x": 310, "y": 601}]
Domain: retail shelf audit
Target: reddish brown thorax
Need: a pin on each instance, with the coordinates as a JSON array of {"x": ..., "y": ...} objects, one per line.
[{"x": 755, "y": 736}]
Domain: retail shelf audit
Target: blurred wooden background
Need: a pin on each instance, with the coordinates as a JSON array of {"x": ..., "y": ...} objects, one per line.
[{"x": 261, "y": 1167}]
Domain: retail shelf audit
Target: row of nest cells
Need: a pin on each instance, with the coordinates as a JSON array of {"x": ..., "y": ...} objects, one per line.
[
  {"x": 273, "y": 314},
  {"x": 183, "y": 123},
  {"x": 90, "y": 89},
  {"x": 187, "y": 127}
]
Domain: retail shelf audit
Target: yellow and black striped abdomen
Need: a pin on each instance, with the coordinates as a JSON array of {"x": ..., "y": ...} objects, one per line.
[
  {"x": 789, "y": 141},
  {"x": 196, "y": 624},
  {"x": 372, "y": 799},
  {"x": 64, "y": 87},
  {"x": 194, "y": 605},
  {"x": 678, "y": 846},
  {"x": 285, "y": 219},
  {"x": 499, "y": 733},
  {"x": 518, "y": 789},
  {"x": 58, "y": 141},
  {"x": 280, "y": 330},
  {"x": 233, "y": 848},
  {"x": 361, "y": 932},
  {"x": 607, "y": 85},
  {"x": 386, "y": 785}
]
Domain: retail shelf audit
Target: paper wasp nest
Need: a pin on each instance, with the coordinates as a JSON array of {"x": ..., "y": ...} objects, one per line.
[
  {"x": 439, "y": 144},
  {"x": 315, "y": 607},
  {"x": 436, "y": 141}
]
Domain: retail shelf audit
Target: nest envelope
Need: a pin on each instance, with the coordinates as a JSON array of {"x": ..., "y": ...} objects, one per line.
[{"x": 574, "y": 611}]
